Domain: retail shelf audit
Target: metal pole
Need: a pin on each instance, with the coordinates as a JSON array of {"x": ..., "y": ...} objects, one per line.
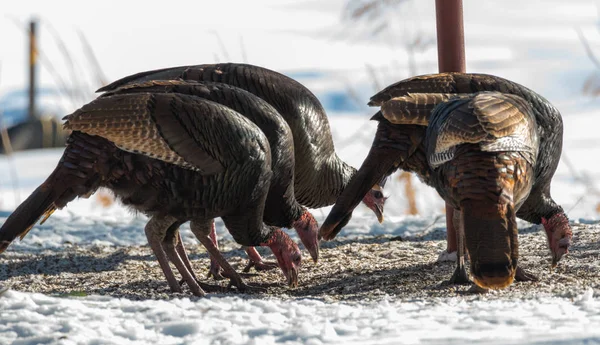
[
  {"x": 32, "y": 68},
  {"x": 450, "y": 35},
  {"x": 451, "y": 58}
]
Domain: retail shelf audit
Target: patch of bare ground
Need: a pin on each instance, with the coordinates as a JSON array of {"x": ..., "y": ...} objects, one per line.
[{"x": 362, "y": 269}]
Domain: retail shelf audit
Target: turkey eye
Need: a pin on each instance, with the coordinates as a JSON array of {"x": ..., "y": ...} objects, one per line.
[
  {"x": 378, "y": 194},
  {"x": 297, "y": 259}
]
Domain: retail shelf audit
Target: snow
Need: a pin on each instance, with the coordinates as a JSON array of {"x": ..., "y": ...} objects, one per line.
[
  {"x": 36, "y": 318},
  {"x": 533, "y": 43}
]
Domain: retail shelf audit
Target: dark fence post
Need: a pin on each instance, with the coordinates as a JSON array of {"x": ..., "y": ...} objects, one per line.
[
  {"x": 451, "y": 58},
  {"x": 32, "y": 67}
]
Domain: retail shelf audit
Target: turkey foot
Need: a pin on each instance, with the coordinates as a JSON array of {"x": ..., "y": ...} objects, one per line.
[
  {"x": 460, "y": 277},
  {"x": 256, "y": 261},
  {"x": 160, "y": 234},
  {"x": 155, "y": 244},
  {"x": 213, "y": 288},
  {"x": 241, "y": 286},
  {"x": 208, "y": 287},
  {"x": 199, "y": 229},
  {"x": 523, "y": 276},
  {"x": 169, "y": 245},
  {"x": 215, "y": 271},
  {"x": 235, "y": 279},
  {"x": 183, "y": 255}
]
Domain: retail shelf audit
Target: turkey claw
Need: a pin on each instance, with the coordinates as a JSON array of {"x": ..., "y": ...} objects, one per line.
[
  {"x": 207, "y": 287},
  {"x": 216, "y": 274},
  {"x": 213, "y": 288},
  {"x": 523, "y": 276},
  {"x": 215, "y": 271},
  {"x": 246, "y": 288},
  {"x": 460, "y": 277},
  {"x": 260, "y": 266}
]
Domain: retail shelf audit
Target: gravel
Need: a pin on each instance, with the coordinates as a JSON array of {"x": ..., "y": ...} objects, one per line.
[{"x": 361, "y": 269}]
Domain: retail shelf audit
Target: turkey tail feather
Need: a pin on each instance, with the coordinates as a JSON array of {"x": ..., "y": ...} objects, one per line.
[
  {"x": 415, "y": 108},
  {"x": 491, "y": 238},
  {"x": 39, "y": 204},
  {"x": 78, "y": 173}
]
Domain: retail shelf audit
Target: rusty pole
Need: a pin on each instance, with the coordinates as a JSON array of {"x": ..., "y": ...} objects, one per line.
[
  {"x": 451, "y": 58},
  {"x": 450, "y": 35},
  {"x": 32, "y": 67}
]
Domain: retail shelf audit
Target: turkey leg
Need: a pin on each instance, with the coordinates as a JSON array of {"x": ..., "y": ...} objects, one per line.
[
  {"x": 523, "y": 276},
  {"x": 153, "y": 231},
  {"x": 257, "y": 262},
  {"x": 460, "y": 275},
  {"x": 183, "y": 254},
  {"x": 450, "y": 229},
  {"x": 215, "y": 269},
  {"x": 169, "y": 245},
  {"x": 202, "y": 231}
]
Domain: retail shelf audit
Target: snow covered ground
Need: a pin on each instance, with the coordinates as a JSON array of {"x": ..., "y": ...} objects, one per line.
[
  {"x": 533, "y": 43},
  {"x": 40, "y": 319}
]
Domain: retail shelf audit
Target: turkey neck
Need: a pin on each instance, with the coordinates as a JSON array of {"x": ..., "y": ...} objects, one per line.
[
  {"x": 320, "y": 186},
  {"x": 539, "y": 204}
]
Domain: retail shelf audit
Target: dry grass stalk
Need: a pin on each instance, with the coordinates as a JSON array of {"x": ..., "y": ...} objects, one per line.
[
  {"x": 409, "y": 191},
  {"x": 105, "y": 199}
]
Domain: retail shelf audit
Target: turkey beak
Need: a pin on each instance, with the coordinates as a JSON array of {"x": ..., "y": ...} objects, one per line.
[
  {"x": 563, "y": 248},
  {"x": 555, "y": 259},
  {"x": 314, "y": 253},
  {"x": 292, "y": 277},
  {"x": 3, "y": 246},
  {"x": 330, "y": 228},
  {"x": 379, "y": 213}
]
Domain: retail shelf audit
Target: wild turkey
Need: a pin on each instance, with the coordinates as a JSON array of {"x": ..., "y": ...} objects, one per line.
[
  {"x": 281, "y": 208},
  {"x": 320, "y": 174},
  {"x": 480, "y": 150},
  {"x": 175, "y": 158},
  {"x": 401, "y": 146}
]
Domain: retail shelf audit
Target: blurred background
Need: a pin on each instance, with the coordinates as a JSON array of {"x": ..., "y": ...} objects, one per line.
[{"x": 342, "y": 50}]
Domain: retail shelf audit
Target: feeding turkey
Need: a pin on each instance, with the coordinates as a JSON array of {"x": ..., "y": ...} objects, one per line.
[
  {"x": 281, "y": 207},
  {"x": 175, "y": 158},
  {"x": 402, "y": 146},
  {"x": 480, "y": 152}
]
